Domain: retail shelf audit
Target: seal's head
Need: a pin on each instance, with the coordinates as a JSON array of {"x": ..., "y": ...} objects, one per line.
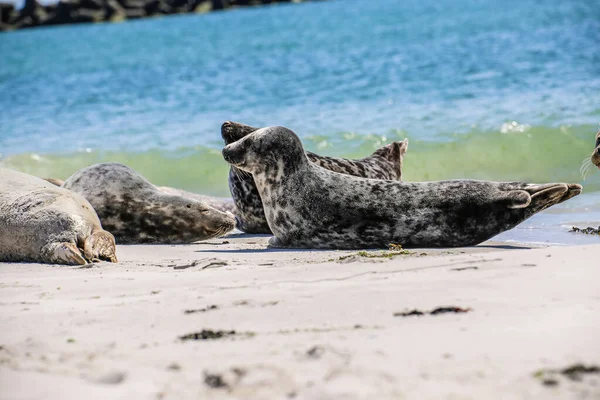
[
  {"x": 177, "y": 219},
  {"x": 596, "y": 153},
  {"x": 273, "y": 149},
  {"x": 234, "y": 131}
]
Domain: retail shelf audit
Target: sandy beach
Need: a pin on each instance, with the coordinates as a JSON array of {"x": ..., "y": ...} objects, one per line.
[{"x": 228, "y": 318}]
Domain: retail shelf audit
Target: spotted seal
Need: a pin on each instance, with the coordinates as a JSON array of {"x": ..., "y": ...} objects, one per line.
[
  {"x": 220, "y": 203},
  {"x": 40, "y": 222},
  {"x": 384, "y": 163},
  {"x": 311, "y": 207},
  {"x": 135, "y": 211}
]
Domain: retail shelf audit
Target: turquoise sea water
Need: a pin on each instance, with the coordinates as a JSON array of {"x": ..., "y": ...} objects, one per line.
[{"x": 485, "y": 89}]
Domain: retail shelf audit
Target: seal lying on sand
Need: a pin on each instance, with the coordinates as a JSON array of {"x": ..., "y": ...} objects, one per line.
[
  {"x": 135, "y": 211},
  {"x": 40, "y": 222},
  {"x": 385, "y": 163},
  {"x": 220, "y": 203},
  {"x": 309, "y": 206}
]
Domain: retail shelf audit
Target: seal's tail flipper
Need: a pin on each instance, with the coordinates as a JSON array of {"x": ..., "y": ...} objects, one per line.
[
  {"x": 536, "y": 197},
  {"x": 393, "y": 152},
  {"x": 546, "y": 195},
  {"x": 574, "y": 190},
  {"x": 65, "y": 253},
  {"x": 54, "y": 181},
  {"x": 100, "y": 245}
]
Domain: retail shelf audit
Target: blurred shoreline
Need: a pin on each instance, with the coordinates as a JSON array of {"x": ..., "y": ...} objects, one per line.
[{"x": 34, "y": 13}]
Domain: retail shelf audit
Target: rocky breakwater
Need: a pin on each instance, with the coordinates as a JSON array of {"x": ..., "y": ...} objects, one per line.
[{"x": 84, "y": 11}]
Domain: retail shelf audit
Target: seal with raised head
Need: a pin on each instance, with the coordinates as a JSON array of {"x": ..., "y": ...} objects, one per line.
[
  {"x": 596, "y": 154},
  {"x": 588, "y": 162},
  {"x": 384, "y": 163},
  {"x": 311, "y": 207},
  {"x": 135, "y": 211},
  {"x": 40, "y": 222}
]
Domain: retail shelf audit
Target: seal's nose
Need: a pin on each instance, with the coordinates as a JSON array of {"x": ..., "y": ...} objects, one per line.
[
  {"x": 226, "y": 132},
  {"x": 230, "y": 155}
]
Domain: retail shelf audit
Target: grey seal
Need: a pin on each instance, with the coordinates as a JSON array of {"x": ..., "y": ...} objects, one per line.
[
  {"x": 40, "y": 222},
  {"x": 224, "y": 204},
  {"x": 135, "y": 211},
  {"x": 384, "y": 163},
  {"x": 311, "y": 207},
  {"x": 220, "y": 203}
]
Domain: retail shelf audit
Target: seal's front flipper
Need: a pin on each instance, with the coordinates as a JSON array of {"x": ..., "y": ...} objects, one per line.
[
  {"x": 100, "y": 245},
  {"x": 275, "y": 243},
  {"x": 64, "y": 253}
]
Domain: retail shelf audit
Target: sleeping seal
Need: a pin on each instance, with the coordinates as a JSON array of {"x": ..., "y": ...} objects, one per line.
[
  {"x": 135, "y": 211},
  {"x": 312, "y": 207},
  {"x": 40, "y": 222},
  {"x": 385, "y": 163},
  {"x": 220, "y": 203}
]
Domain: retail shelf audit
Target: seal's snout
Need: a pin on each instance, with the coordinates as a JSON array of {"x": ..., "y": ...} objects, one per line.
[
  {"x": 227, "y": 132},
  {"x": 232, "y": 155}
]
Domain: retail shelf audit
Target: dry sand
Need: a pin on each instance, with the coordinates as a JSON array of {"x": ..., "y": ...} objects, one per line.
[{"x": 307, "y": 324}]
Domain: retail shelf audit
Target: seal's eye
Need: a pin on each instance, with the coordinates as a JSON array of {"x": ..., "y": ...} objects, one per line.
[{"x": 189, "y": 206}]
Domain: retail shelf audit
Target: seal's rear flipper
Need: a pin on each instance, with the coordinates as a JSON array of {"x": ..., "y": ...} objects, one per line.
[
  {"x": 517, "y": 199},
  {"x": 64, "y": 253},
  {"x": 544, "y": 196},
  {"x": 54, "y": 181},
  {"x": 100, "y": 245},
  {"x": 536, "y": 197},
  {"x": 574, "y": 190}
]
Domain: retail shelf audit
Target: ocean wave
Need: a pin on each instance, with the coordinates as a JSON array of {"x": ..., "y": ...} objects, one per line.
[{"x": 513, "y": 153}]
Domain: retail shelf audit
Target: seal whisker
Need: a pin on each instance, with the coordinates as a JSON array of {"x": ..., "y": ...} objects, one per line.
[{"x": 585, "y": 167}]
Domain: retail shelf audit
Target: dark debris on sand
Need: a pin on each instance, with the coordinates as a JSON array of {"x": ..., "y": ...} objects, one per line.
[
  {"x": 575, "y": 373},
  {"x": 215, "y": 381},
  {"x": 588, "y": 231},
  {"x": 207, "y": 334},
  {"x": 436, "y": 311},
  {"x": 205, "y": 309}
]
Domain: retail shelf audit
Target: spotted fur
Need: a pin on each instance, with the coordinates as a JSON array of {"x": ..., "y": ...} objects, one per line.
[
  {"x": 40, "y": 222},
  {"x": 311, "y": 207},
  {"x": 135, "y": 211},
  {"x": 385, "y": 163},
  {"x": 220, "y": 203}
]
